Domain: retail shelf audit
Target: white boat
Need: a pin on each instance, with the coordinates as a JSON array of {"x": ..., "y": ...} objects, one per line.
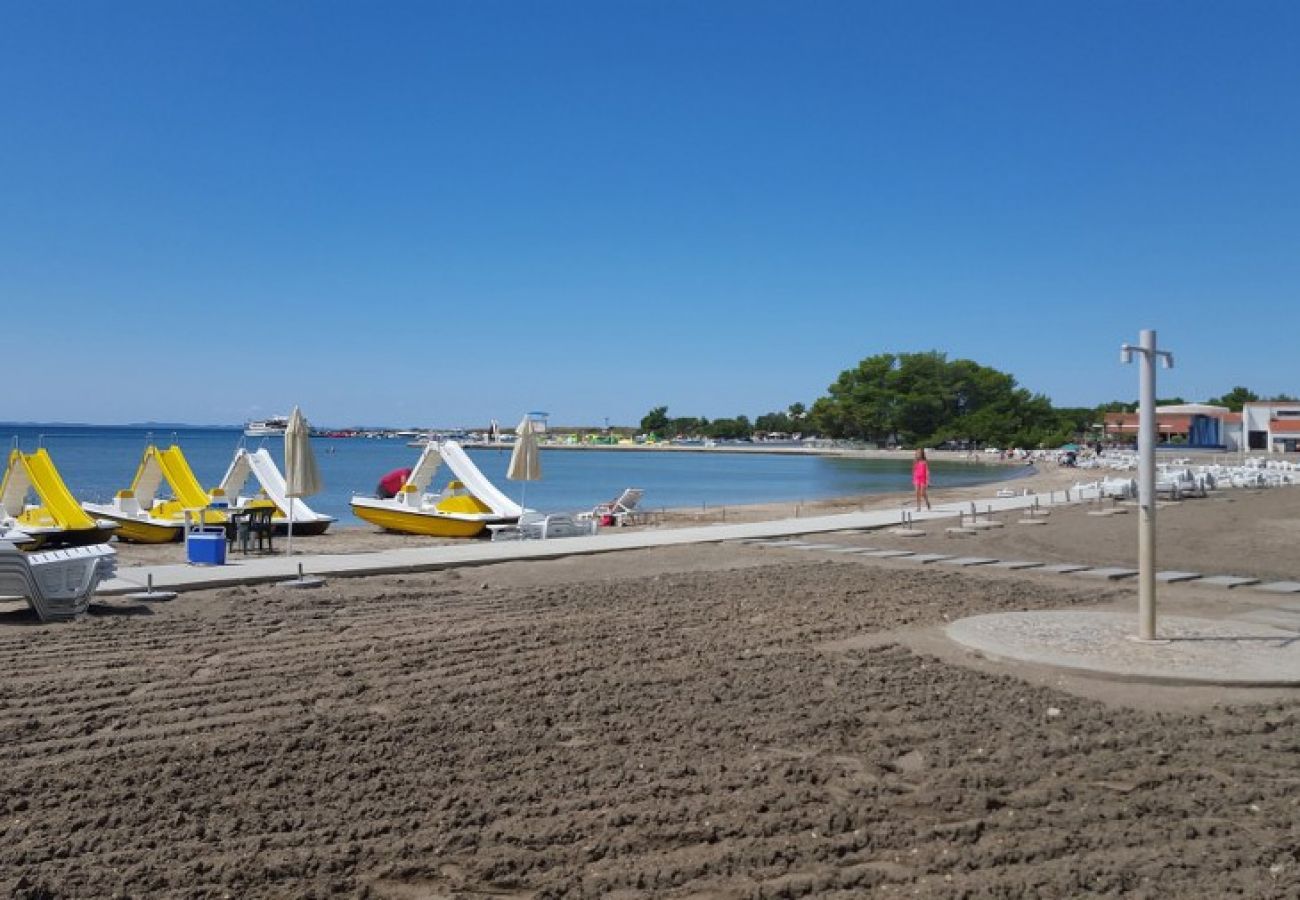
[
  {"x": 272, "y": 427},
  {"x": 143, "y": 517},
  {"x": 57, "y": 520},
  {"x": 468, "y": 505},
  {"x": 260, "y": 466}
]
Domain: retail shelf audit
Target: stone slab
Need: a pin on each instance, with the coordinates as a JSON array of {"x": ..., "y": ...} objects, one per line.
[
  {"x": 1035, "y": 521},
  {"x": 1062, "y": 568},
  {"x": 930, "y": 557},
  {"x": 908, "y": 532},
  {"x": 842, "y": 549},
  {"x": 1191, "y": 650},
  {"x": 1174, "y": 576},
  {"x": 964, "y": 561},
  {"x": 1015, "y": 564},
  {"x": 889, "y": 554},
  {"x": 1276, "y": 617},
  {"x": 1108, "y": 573},
  {"x": 959, "y": 530},
  {"x": 1279, "y": 587},
  {"x": 1229, "y": 581},
  {"x": 984, "y": 525}
]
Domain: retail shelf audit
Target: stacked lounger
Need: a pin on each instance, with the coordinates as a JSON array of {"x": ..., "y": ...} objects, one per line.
[{"x": 57, "y": 584}]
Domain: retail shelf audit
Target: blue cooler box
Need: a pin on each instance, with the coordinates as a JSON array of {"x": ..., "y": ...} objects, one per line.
[{"x": 206, "y": 547}]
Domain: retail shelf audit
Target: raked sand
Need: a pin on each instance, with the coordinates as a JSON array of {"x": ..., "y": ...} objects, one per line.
[{"x": 707, "y": 721}]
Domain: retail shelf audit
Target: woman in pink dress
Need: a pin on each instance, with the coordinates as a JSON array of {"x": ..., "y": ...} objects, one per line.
[{"x": 921, "y": 479}]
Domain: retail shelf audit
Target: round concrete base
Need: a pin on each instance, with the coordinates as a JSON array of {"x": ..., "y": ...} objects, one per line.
[
  {"x": 152, "y": 596},
  {"x": 1189, "y": 651},
  {"x": 304, "y": 581}
]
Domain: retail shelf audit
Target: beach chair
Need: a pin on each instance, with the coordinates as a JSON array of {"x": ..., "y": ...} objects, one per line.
[
  {"x": 534, "y": 526},
  {"x": 619, "y": 510},
  {"x": 515, "y": 531},
  {"x": 56, "y": 584},
  {"x": 557, "y": 525}
]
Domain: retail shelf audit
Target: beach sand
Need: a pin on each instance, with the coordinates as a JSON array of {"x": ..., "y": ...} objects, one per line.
[{"x": 711, "y": 721}]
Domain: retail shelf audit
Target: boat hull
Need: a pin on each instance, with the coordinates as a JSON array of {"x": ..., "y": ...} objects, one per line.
[
  {"x": 144, "y": 531},
  {"x": 54, "y": 538},
  {"x": 423, "y": 522},
  {"x": 310, "y": 528}
]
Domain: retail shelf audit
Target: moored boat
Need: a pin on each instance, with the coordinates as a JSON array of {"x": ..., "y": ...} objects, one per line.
[
  {"x": 260, "y": 466},
  {"x": 275, "y": 426},
  {"x": 143, "y": 518},
  {"x": 464, "y": 509},
  {"x": 56, "y": 520}
]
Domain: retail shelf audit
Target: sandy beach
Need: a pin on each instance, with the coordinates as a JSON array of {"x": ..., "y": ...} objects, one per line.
[{"x": 716, "y": 721}]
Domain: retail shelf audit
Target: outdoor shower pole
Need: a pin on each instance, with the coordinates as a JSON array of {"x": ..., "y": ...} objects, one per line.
[
  {"x": 1147, "y": 435},
  {"x": 1147, "y": 488}
]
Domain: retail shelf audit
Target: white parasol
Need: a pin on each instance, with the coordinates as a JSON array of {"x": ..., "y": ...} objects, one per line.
[
  {"x": 525, "y": 459},
  {"x": 301, "y": 477}
]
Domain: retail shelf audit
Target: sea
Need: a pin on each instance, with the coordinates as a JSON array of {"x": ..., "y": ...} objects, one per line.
[{"x": 98, "y": 461}]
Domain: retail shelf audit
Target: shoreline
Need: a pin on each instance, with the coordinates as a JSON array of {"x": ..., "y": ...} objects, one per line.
[{"x": 952, "y": 456}]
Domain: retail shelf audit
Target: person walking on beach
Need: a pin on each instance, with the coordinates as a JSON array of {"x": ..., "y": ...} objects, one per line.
[{"x": 921, "y": 478}]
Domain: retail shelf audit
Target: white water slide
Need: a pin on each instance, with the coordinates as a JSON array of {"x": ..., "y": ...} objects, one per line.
[
  {"x": 468, "y": 474},
  {"x": 262, "y": 467}
]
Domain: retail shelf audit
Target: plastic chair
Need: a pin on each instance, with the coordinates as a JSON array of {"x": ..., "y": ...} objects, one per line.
[{"x": 261, "y": 528}]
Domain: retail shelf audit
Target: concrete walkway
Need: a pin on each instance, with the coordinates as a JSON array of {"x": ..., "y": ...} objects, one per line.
[{"x": 184, "y": 577}]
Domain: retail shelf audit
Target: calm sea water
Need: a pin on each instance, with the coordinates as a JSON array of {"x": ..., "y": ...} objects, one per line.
[{"x": 97, "y": 462}]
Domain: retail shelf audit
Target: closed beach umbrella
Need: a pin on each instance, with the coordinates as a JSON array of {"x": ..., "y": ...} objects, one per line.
[
  {"x": 301, "y": 477},
  {"x": 525, "y": 459}
]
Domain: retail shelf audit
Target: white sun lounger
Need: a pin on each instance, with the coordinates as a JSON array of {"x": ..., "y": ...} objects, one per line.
[
  {"x": 533, "y": 526},
  {"x": 620, "y": 509},
  {"x": 57, "y": 584}
]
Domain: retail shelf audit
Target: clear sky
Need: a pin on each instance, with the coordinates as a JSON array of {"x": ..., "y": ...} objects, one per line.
[{"x": 433, "y": 213}]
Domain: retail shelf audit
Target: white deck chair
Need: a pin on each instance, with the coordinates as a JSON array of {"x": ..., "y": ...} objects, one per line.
[
  {"x": 619, "y": 509},
  {"x": 57, "y": 584},
  {"x": 534, "y": 526}
]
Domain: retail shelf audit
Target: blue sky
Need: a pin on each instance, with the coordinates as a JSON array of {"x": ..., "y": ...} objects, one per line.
[{"x": 435, "y": 213}]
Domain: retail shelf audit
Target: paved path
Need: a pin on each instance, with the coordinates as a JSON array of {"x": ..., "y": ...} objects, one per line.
[{"x": 183, "y": 577}]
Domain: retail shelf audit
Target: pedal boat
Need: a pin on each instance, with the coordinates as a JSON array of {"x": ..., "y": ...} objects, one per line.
[
  {"x": 464, "y": 509},
  {"x": 272, "y": 487},
  {"x": 141, "y": 518},
  {"x": 57, "y": 520},
  {"x": 453, "y": 513}
]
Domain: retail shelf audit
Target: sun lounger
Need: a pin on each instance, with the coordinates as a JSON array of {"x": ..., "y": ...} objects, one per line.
[
  {"x": 534, "y": 526},
  {"x": 617, "y": 511},
  {"x": 57, "y": 584}
]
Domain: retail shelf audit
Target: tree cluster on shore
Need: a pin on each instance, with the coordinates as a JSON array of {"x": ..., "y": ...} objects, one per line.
[{"x": 921, "y": 399}]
